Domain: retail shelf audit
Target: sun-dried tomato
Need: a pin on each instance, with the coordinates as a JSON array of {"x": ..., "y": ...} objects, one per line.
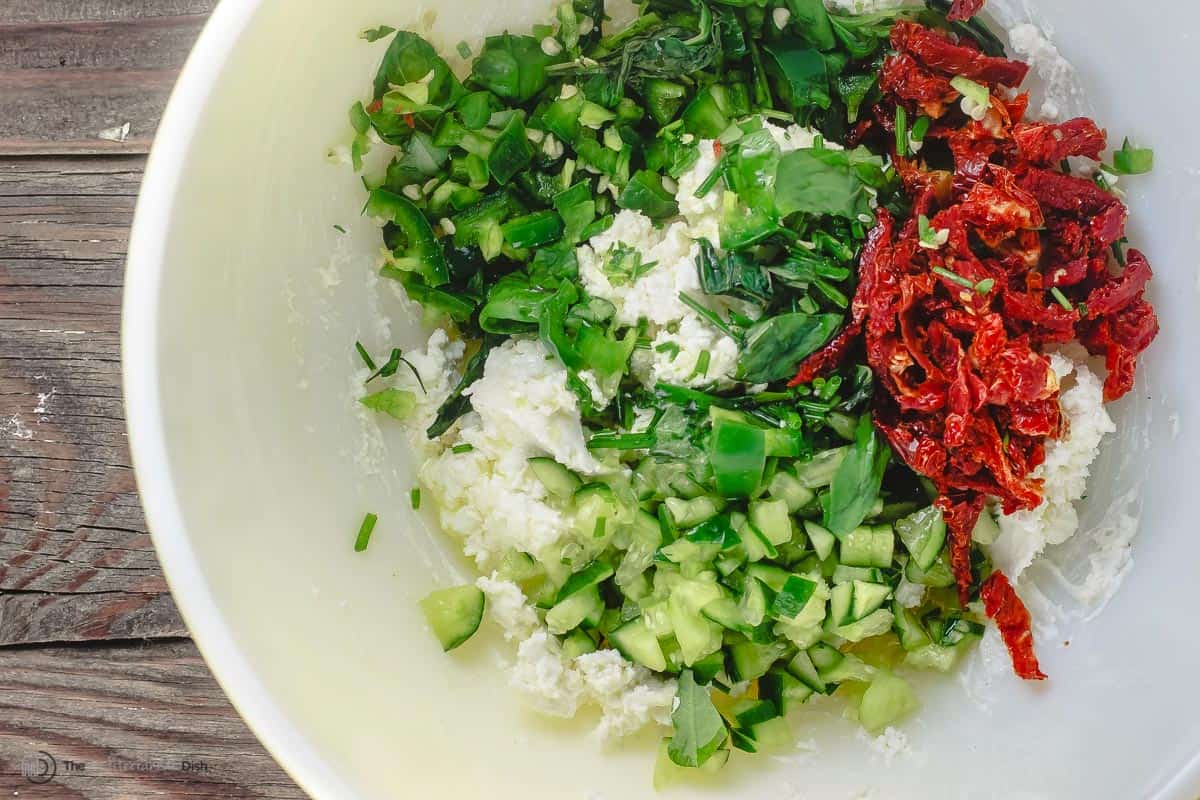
[
  {"x": 955, "y": 334},
  {"x": 1002, "y": 604},
  {"x": 962, "y": 10},
  {"x": 938, "y": 52}
]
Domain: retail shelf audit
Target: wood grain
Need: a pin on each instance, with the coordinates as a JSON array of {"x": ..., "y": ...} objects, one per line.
[
  {"x": 130, "y": 711},
  {"x": 143, "y": 721},
  {"x": 76, "y": 562},
  {"x": 70, "y": 69}
]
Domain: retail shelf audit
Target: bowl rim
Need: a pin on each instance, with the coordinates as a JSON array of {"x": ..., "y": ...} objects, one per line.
[
  {"x": 144, "y": 420},
  {"x": 147, "y": 441}
]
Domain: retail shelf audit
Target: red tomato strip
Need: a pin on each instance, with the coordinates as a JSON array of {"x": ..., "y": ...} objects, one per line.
[
  {"x": 1015, "y": 256},
  {"x": 1001, "y": 603},
  {"x": 963, "y": 10}
]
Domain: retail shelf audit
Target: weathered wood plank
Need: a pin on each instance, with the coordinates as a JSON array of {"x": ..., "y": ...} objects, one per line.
[
  {"x": 72, "y": 69},
  {"x": 34, "y": 11},
  {"x": 131, "y": 715},
  {"x": 76, "y": 562}
]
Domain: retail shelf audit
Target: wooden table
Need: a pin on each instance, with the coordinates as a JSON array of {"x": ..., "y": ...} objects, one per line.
[{"x": 96, "y": 670}]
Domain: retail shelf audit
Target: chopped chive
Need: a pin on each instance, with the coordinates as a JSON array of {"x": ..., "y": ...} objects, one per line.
[
  {"x": 339, "y": 229},
  {"x": 708, "y": 183},
  {"x": 365, "y": 356},
  {"x": 954, "y": 277},
  {"x": 598, "y": 531},
  {"x": 459, "y": 449},
  {"x": 621, "y": 441},
  {"x": 702, "y": 362},
  {"x": 831, "y": 292},
  {"x": 364, "y": 532},
  {"x": 393, "y": 363},
  {"x": 414, "y": 498},
  {"x": 668, "y": 347},
  {"x": 1057, "y": 294},
  {"x": 708, "y": 314},
  {"x": 464, "y": 49},
  {"x": 1130, "y": 160},
  {"x": 920, "y": 128},
  {"x": 901, "y": 131},
  {"x": 986, "y": 285},
  {"x": 1118, "y": 253},
  {"x": 808, "y": 305}
]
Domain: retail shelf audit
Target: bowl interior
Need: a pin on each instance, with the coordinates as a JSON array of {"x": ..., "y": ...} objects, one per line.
[{"x": 244, "y": 306}]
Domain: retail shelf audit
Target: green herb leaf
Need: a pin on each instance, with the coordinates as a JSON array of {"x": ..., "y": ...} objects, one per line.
[
  {"x": 375, "y": 34},
  {"x": 699, "y": 729},
  {"x": 856, "y": 483},
  {"x": 364, "y": 532},
  {"x": 645, "y": 193},
  {"x": 835, "y": 182},
  {"x": 410, "y": 59},
  {"x": 810, "y": 19},
  {"x": 801, "y": 75},
  {"x": 394, "y": 402},
  {"x": 775, "y": 346},
  {"x": 365, "y": 356}
]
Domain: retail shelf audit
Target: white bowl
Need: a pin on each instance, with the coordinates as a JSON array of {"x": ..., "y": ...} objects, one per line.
[{"x": 242, "y": 305}]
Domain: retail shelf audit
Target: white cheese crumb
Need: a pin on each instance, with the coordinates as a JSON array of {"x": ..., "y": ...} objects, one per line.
[
  {"x": 1024, "y": 534},
  {"x": 507, "y": 606}
]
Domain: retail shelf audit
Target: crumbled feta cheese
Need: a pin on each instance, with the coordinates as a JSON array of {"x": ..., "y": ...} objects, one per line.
[
  {"x": 677, "y": 363},
  {"x": 909, "y": 594},
  {"x": 629, "y": 696},
  {"x": 436, "y": 363},
  {"x": 507, "y": 606},
  {"x": 546, "y": 679},
  {"x": 862, "y": 6},
  {"x": 1024, "y": 534},
  {"x": 525, "y": 408},
  {"x": 1062, "y": 91}
]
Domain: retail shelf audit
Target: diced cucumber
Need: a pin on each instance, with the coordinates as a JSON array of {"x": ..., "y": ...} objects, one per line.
[
  {"x": 850, "y": 668},
  {"x": 820, "y": 469},
  {"x": 593, "y": 574},
  {"x": 909, "y": 631},
  {"x": 924, "y": 534},
  {"x": 725, "y": 612},
  {"x": 986, "y": 528},
  {"x": 750, "y": 660},
  {"x": 454, "y": 614},
  {"x": 697, "y": 636},
  {"x": 688, "y": 513},
  {"x": 895, "y": 511},
  {"x": 756, "y": 544},
  {"x": 517, "y": 566},
  {"x": 558, "y": 480},
  {"x": 867, "y": 546},
  {"x": 748, "y": 712},
  {"x": 843, "y": 425},
  {"x": 841, "y": 600},
  {"x": 792, "y": 597},
  {"x": 639, "y": 644},
  {"x": 886, "y": 700},
  {"x": 845, "y": 574},
  {"x": 577, "y": 643},
  {"x": 771, "y": 518},
  {"x": 802, "y": 667},
  {"x": 644, "y": 540},
  {"x": 821, "y": 538},
  {"x": 870, "y": 625},
  {"x": 753, "y": 603},
  {"x": 584, "y": 605},
  {"x": 742, "y": 740},
  {"x": 595, "y": 501},
  {"x": 938, "y": 575},
  {"x": 868, "y": 597},
  {"x": 683, "y": 551},
  {"x": 730, "y": 561},
  {"x": 770, "y": 735},
  {"x": 774, "y": 577},
  {"x": 787, "y": 487},
  {"x": 783, "y": 689},
  {"x": 709, "y": 667},
  {"x": 955, "y": 629},
  {"x": 824, "y": 656},
  {"x": 934, "y": 656}
]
